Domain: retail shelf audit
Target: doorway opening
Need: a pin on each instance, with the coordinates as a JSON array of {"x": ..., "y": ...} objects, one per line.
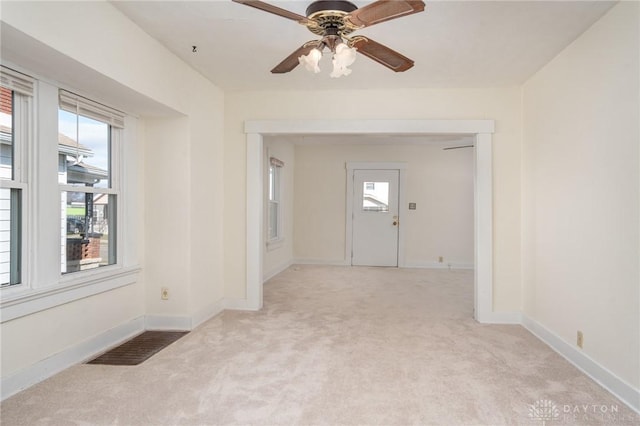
[{"x": 480, "y": 130}]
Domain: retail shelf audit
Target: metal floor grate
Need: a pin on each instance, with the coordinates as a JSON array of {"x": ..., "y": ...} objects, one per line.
[{"x": 138, "y": 349}]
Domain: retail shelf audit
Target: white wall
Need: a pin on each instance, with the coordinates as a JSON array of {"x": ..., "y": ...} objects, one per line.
[
  {"x": 502, "y": 105},
  {"x": 581, "y": 191},
  {"x": 439, "y": 182},
  {"x": 90, "y": 47},
  {"x": 279, "y": 255}
]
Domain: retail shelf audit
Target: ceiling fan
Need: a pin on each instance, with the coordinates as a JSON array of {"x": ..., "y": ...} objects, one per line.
[{"x": 334, "y": 21}]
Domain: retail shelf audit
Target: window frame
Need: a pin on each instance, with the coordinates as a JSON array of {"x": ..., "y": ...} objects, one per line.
[
  {"x": 115, "y": 122},
  {"x": 42, "y": 288},
  {"x": 274, "y": 198},
  {"x": 22, "y": 87}
]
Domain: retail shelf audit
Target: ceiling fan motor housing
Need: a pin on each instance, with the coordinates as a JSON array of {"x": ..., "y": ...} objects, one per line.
[
  {"x": 330, "y": 5},
  {"x": 329, "y": 14}
]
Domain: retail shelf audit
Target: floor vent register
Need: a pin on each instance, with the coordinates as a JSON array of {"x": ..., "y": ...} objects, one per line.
[{"x": 138, "y": 349}]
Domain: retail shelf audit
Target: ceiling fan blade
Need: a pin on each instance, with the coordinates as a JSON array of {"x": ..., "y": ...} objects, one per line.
[
  {"x": 275, "y": 10},
  {"x": 382, "y": 54},
  {"x": 291, "y": 61},
  {"x": 384, "y": 10}
]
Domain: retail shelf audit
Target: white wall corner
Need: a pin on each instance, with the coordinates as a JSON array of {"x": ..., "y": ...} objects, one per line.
[
  {"x": 276, "y": 270},
  {"x": 601, "y": 375},
  {"x": 76, "y": 354},
  {"x": 206, "y": 313}
]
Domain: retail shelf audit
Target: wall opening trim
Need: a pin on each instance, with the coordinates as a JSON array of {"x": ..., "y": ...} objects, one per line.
[{"x": 482, "y": 130}]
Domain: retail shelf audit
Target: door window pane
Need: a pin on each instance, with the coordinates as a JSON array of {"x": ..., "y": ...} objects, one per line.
[{"x": 375, "y": 197}]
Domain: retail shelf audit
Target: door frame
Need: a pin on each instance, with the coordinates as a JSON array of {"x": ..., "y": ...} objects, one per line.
[
  {"x": 352, "y": 166},
  {"x": 483, "y": 192}
]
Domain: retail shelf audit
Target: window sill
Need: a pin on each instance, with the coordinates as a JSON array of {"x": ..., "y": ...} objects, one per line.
[
  {"x": 28, "y": 301},
  {"x": 275, "y": 244}
]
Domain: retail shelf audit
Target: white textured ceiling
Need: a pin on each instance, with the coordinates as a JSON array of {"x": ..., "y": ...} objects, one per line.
[{"x": 453, "y": 44}]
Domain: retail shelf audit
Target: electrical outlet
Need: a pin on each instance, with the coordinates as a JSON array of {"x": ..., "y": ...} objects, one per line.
[
  {"x": 580, "y": 339},
  {"x": 440, "y": 259},
  {"x": 164, "y": 293}
]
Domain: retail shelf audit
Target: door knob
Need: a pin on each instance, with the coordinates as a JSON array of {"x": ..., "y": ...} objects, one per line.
[{"x": 395, "y": 223}]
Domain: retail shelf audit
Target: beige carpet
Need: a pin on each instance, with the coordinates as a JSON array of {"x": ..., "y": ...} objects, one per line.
[{"x": 335, "y": 345}]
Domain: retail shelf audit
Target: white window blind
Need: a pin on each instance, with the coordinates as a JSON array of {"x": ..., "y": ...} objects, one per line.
[
  {"x": 16, "y": 81},
  {"x": 82, "y": 106}
]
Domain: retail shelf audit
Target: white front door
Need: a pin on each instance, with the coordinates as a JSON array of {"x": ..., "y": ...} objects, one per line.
[{"x": 375, "y": 217}]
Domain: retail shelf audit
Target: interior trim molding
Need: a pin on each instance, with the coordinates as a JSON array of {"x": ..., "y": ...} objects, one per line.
[
  {"x": 367, "y": 127},
  {"x": 601, "y": 375},
  {"x": 330, "y": 262},
  {"x": 438, "y": 265},
  {"x": 483, "y": 189},
  {"x": 167, "y": 322},
  {"x": 236, "y": 304},
  {"x": 79, "y": 353}
]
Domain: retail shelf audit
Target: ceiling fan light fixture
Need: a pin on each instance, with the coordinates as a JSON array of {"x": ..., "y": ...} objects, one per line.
[
  {"x": 311, "y": 60},
  {"x": 343, "y": 57}
]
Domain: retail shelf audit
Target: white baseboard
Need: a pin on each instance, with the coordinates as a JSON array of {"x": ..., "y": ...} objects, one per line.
[
  {"x": 167, "y": 322},
  {"x": 601, "y": 375},
  {"x": 76, "y": 354},
  {"x": 276, "y": 270},
  {"x": 425, "y": 265},
  {"x": 238, "y": 305},
  {"x": 330, "y": 262},
  {"x": 438, "y": 265}
]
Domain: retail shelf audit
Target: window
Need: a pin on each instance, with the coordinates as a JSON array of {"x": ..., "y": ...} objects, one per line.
[
  {"x": 375, "y": 197},
  {"x": 63, "y": 198},
  {"x": 87, "y": 139},
  {"x": 274, "y": 213},
  {"x": 16, "y": 91}
]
